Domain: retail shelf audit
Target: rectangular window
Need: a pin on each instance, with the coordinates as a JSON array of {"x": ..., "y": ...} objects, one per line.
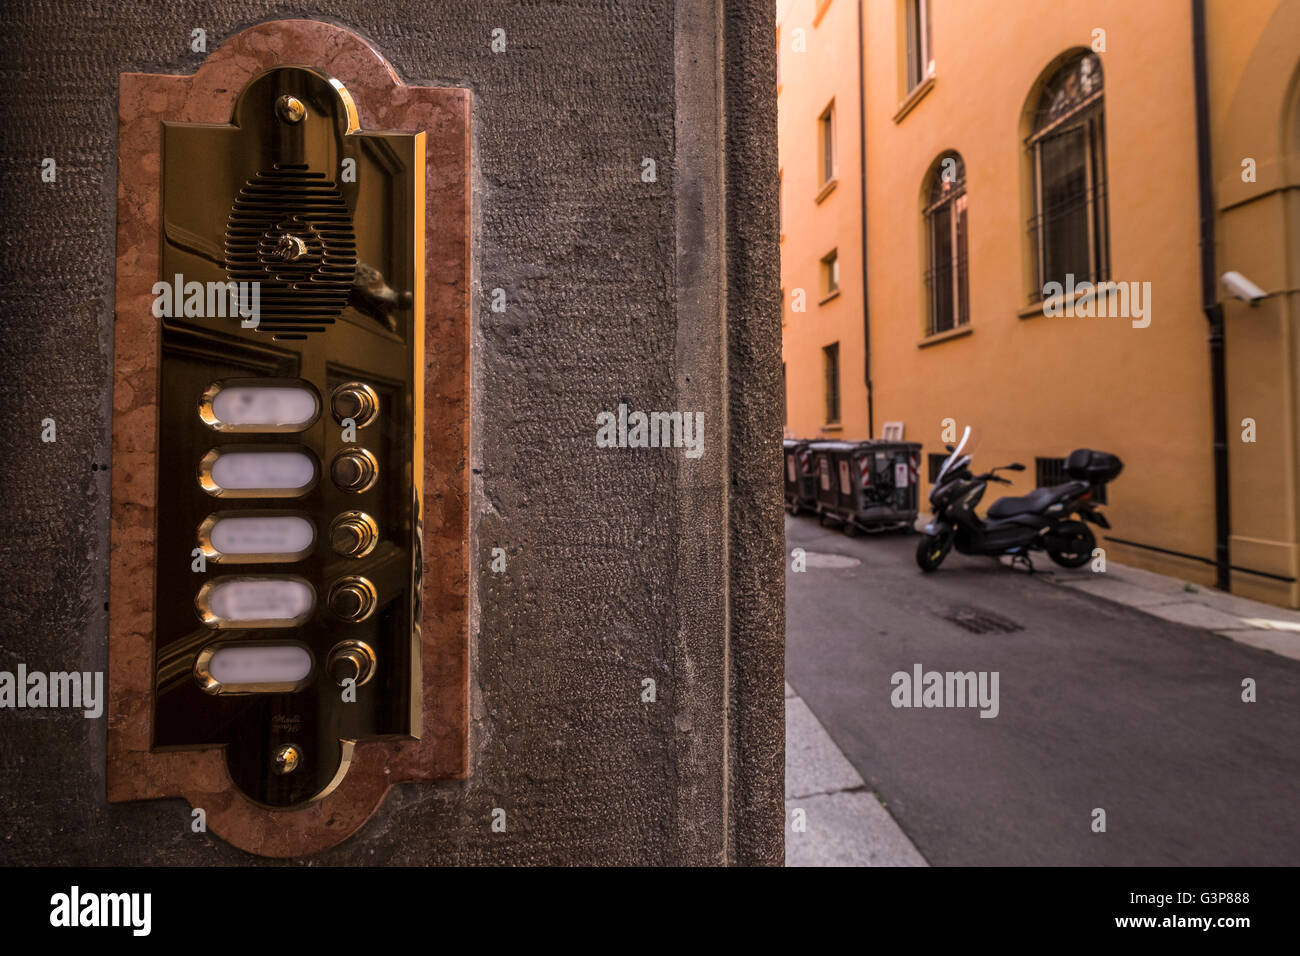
[
  {"x": 919, "y": 65},
  {"x": 1051, "y": 471},
  {"x": 830, "y": 273},
  {"x": 826, "y": 143},
  {"x": 936, "y": 460},
  {"x": 831, "y": 361}
]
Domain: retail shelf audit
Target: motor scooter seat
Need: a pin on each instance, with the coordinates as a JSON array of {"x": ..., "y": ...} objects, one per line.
[{"x": 1038, "y": 500}]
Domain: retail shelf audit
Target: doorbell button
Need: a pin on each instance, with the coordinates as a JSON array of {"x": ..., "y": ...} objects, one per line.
[
  {"x": 353, "y": 598},
  {"x": 354, "y": 534},
  {"x": 356, "y": 401},
  {"x": 351, "y": 660},
  {"x": 354, "y": 470}
]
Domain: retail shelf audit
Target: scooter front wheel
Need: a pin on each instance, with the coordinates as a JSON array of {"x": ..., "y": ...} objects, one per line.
[{"x": 932, "y": 549}]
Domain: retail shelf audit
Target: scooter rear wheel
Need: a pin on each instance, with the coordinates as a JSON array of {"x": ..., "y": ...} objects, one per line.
[
  {"x": 1070, "y": 544},
  {"x": 931, "y": 550}
]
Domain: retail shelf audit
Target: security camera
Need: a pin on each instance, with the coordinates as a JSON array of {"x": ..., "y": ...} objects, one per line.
[{"x": 1242, "y": 288}]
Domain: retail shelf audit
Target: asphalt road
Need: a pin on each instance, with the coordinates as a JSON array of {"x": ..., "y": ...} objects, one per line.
[{"x": 1100, "y": 706}]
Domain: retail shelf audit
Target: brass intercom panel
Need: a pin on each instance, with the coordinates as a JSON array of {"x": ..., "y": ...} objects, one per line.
[{"x": 290, "y": 430}]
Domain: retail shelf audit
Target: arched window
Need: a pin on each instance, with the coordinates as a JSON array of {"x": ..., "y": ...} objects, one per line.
[
  {"x": 1067, "y": 154},
  {"x": 946, "y": 280}
]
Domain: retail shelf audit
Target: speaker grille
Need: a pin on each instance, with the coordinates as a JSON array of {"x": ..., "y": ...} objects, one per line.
[{"x": 291, "y": 231}]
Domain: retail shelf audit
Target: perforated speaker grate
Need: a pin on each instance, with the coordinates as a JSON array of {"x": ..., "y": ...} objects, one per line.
[{"x": 290, "y": 230}]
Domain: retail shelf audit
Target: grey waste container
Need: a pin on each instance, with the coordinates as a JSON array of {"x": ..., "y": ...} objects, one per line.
[
  {"x": 867, "y": 485},
  {"x": 800, "y": 479}
]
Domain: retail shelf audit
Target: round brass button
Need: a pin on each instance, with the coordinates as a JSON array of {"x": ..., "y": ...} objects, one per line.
[
  {"x": 353, "y": 598},
  {"x": 354, "y": 534},
  {"x": 354, "y": 400},
  {"x": 286, "y": 759},
  {"x": 354, "y": 470},
  {"x": 351, "y": 660}
]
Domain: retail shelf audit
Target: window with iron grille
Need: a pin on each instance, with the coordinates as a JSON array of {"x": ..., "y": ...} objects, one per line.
[
  {"x": 936, "y": 459},
  {"x": 1051, "y": 471},
  {"x": 831, "y": 361},
  {"x": 946, "y": 279},
  {"x": 1069, "y": 230}
]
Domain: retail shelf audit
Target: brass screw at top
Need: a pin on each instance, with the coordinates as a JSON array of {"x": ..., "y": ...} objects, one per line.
[{"x": 290, "y": 109}]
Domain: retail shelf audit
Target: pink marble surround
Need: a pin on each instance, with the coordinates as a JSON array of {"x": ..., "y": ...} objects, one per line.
[{"x": 383, "y": 103}]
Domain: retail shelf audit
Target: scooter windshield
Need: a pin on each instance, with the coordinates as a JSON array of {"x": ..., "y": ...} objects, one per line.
[{"x": 952, "y": 458}]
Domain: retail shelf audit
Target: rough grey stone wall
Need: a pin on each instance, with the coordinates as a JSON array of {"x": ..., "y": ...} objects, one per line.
[{"x": 622, "y": 565}]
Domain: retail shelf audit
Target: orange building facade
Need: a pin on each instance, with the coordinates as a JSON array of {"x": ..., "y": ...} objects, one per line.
[{"x": 1034, "y": 261}]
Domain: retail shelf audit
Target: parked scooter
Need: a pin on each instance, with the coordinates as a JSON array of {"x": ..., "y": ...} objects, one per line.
[{"x": 1041, "y": 520}]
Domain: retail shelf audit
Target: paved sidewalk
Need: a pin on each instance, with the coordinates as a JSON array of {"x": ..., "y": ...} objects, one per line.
[
  {"x": 831, "y": 818},
  {"x": 1260, "y": 625}
]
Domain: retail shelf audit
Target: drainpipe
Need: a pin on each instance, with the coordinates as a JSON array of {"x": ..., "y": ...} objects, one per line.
[
  {"x": 1210, "y": 304},
  {"x": 862, "y": 156}
]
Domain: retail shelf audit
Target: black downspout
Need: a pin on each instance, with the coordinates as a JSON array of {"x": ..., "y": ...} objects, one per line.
[
  {"x": 862, "y": 156},
  {"x": 1210, "y": 301}
]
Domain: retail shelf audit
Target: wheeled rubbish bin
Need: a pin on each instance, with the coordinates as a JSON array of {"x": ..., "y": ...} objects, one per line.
[
  {"x": 867, "y": 485},
  {"x": 800, "y": 481}
]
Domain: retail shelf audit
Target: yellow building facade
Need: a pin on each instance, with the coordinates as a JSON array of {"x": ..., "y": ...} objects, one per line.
[{"x": 1034, "y": 262}]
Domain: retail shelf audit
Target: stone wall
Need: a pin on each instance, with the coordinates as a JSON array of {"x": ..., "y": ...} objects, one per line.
[{"x": 622, "y": 564}]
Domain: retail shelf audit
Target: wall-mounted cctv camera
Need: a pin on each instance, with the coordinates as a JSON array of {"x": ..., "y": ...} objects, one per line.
[{"x": 1242, "y": 288}]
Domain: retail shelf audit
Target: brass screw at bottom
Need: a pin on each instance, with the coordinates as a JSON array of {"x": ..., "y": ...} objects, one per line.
[
  {"x": 290, "y": 109},
  {"x": 286, "y": 759}
]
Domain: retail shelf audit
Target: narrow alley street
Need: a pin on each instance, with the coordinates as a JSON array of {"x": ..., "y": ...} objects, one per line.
[{"x": 1100, "y": 706}]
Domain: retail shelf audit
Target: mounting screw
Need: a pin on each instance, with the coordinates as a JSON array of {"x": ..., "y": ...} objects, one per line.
[
  {"x": 286, "y": 759},
  {"x": 290, "y": 109}
]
